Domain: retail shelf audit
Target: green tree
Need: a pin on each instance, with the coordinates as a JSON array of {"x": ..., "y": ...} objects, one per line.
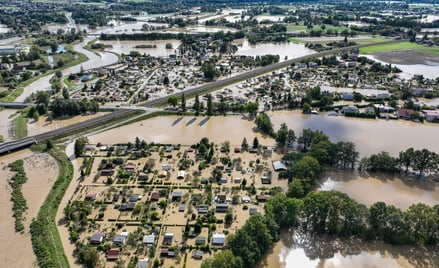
[
  {"x": 425, "y": 161},
  {"x": 173, "y": 100},
  {"x": 244, "y": 144},
  {"x": 209, "y": 71},
  {"x": 42, "y": 97},
  {"x": 255, "y": 142},
  {"x": 222, "y": 259},
  {"x": 263, "y": 122},
  {"x": 285, "y": 211},
  {"x": 209, "y": 109},
  {"x": 80, "y": 144},
  {"x": 252, "y": 108},
  {"x": 183, "y": 103},
  {"x": 306, "y": 108},
  {"x": 89, "y": 257},
  {"x": 282, "y": 135},
  {"x": 65, "y": 93},
  {"x": 406, "y": 158},
  {"x": 197, "y": 106}
]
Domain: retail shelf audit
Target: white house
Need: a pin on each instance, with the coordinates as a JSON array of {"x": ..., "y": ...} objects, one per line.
[{"x": 218, "y": 239}]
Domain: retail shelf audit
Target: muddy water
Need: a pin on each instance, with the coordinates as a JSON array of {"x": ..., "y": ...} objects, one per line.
[
  {"x": 295, "y": 250},
  {"x": 405, "y": 191},
  {"x": 428, "y": 70},
  {"x": 94, "y": 61},
  {"x": 41, "y": 171},
  {"x": 289, "y": 50},
  {"x": 183, "y": 130},
  {"x": 126, "y": 47},
  {"x": 370, "y": 136},
  {"x": 5, "y": 121}
]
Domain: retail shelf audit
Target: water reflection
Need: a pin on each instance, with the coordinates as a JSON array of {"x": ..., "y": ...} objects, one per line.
[
  {"x": 296, "y": 249},
  {"x": 289, "y": 50},
  {"x": 399, "y": 190}
]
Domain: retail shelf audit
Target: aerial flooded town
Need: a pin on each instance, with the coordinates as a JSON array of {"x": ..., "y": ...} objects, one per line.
[{"x": 235, "y": 134}]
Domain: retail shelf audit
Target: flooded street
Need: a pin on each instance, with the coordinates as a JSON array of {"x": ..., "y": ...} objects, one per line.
[{"x": 370, "y": 136}]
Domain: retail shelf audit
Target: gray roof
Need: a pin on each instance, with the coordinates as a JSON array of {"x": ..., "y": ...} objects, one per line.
[{"x": 278, "y": 165}]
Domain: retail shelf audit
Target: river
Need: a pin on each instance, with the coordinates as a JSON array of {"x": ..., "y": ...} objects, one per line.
[{"x": 94, "y": 61}]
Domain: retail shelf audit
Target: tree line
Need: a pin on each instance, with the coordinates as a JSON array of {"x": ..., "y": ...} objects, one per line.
[{"x": 423, "y": 161}]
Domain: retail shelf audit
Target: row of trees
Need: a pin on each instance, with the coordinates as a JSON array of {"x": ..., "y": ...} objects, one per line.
[
  {"x": 327, "y": 213},
  {"x": 422, "y": 161}
]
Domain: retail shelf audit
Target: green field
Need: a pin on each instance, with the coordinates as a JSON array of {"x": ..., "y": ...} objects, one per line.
[
  {"x": 20, "y": 127},
  {"x": 390, "y": 47}
]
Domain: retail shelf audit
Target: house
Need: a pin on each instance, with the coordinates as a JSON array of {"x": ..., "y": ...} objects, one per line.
[
  {"x": 245, "y": 199},
  {"x": 121, "y": 238},
  {"x": 347, "y": 96},
  {"x": 223, "y": 180},
  {"x": 201, "y": 240},
  {"x": 116, "y": 197},
  {"x": 253, "y": 150},
  {"x": 155, "y": 197},
  {"x": 421, "y": 91},
  {"x": 167, "y": 239},
  {"x": 90, "y": 197},
  {"x": 135, "y": 197},
  {"x": 237, "y": 150},
  {"x": 237, "y": 180},
  {"x": 203, "y": 208},
  {"x": 169, "y": 149},
  {"x": 166, "y": 167},
  {"x": 350, "y": 109},
  {"x": 130, "y": 167},
  {"x": 221, "y": 207},
  {"x": 181, "y": 174},
  {"x": 431, "y": 115},
  {"x": 405, "y": 113},
  {"x": 279, "y": 166},
  {"x": 197, "y": 254},
  {"x": 181, "y": 208},
  {"x": 107, "y": 172},
  {"x": 221, "y": 198},
  {"x": 113, "y": 254},
  {"x": 142, "y": 178},
  {"x": 127, "y": 206},
  {"x": 149, "y": 240},
  {"x": 261, "y": 198},
  {"x": 176, "y": 196},
  {"x": 218, "y": 239},
  {"x": 97, "y": 238},
  {"x": 265, "y": 180},
  {"x": 253, "y": 211},
  {"x": 143, "y": 263}
]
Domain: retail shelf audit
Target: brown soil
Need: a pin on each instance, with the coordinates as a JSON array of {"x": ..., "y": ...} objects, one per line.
[{"x": 407, "y": 57}]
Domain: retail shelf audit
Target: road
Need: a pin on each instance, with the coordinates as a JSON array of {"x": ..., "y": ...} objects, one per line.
[
  {"x": 146, "y": 106},
  {"x": 255, "y": 72}
]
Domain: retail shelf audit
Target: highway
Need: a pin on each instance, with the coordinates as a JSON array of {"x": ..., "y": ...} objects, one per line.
[
  {"x": 255, "y": 72},
  {"x": 125, "y": 111}
]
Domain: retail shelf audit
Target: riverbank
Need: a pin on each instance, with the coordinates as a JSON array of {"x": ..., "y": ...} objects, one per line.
[{"x": 41, "y": 170}]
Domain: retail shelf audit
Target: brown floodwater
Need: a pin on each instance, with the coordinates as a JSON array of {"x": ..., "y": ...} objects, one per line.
[
  {"x": 370, "y": 136},
  {"x": 41, "y": 170},
  {"x": 298, "y": 250}
]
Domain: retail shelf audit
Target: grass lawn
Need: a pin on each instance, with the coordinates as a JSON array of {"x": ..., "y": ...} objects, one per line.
[
  {"x": 429, "y": 50},
  {"x": 68, "y": 84},
  {"x": 390, "y": 47},
  {"x": 295, "y": 40},
  {"x": 70, "y": 58},
  {"x": 20, "y": 127}
]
